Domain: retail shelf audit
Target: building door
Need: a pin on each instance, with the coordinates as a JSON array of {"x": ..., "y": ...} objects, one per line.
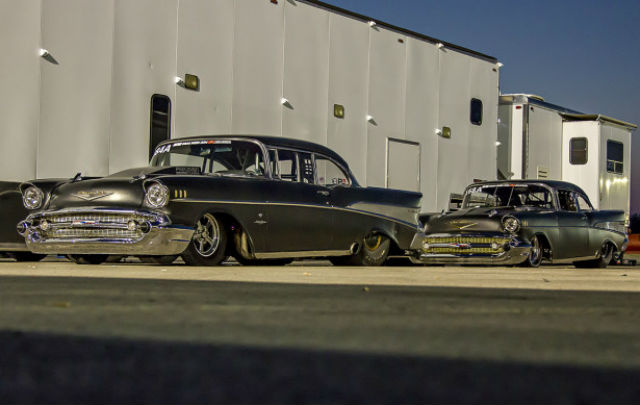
[{"x": 160, "y": 121}]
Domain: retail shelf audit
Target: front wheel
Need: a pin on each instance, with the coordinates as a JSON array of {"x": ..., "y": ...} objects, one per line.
[
  {"x": 373, "y": 252},
  {"x": 209, "y": 243},
  {"x": 535, "y": 255}
]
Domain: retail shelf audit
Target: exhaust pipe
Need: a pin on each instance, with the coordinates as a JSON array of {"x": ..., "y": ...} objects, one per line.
[{"x": 355, "y": 248}]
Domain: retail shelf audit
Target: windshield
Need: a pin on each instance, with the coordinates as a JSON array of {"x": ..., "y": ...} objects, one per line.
[
  {"x": 508, "y": 195},
  {"x": 219, "y": 157}
]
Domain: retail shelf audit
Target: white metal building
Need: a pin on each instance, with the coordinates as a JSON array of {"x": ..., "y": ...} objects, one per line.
[{"x": 79, "y": 79}]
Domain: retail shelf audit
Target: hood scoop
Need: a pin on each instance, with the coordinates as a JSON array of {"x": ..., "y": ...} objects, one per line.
[{"x": 143, "y": 172}]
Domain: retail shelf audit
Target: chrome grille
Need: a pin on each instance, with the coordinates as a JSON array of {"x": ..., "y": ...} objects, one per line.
[
  {"x": 92, "y": 225},
  {"x": 464, "y": 245}
]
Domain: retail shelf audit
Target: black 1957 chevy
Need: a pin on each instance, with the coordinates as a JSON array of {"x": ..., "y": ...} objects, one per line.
[
  {"x": 522, "y": 222},
  {"x": 260, "y": 199}
]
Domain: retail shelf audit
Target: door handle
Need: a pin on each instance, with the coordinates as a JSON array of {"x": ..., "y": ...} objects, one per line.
[{"x": 323, "y": 192}]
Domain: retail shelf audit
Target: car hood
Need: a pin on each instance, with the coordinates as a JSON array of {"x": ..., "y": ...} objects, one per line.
[
  {"x": 123, "y": 189},
  {"x": 471, "y": 220}
]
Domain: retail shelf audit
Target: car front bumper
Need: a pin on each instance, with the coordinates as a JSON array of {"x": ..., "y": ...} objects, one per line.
[
  {"x": 104, "y": 231},
  {"x": 472, "y": 249}
]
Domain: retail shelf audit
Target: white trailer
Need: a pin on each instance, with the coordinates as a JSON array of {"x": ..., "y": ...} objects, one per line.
[
  {"x": 597, "y": 156},
  {"x": 89, "y": 86},
  {"x": 537, "y": 139}
]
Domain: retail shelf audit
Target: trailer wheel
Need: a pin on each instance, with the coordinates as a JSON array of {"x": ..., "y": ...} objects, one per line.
[{"x": 209, "y": 243}]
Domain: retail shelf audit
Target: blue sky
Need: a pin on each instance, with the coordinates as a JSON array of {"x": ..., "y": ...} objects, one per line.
[{"x": 581, "y": 54}]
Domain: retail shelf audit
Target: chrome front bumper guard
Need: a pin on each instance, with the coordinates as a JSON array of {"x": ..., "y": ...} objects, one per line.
[
  {"x": 159, "y": 237},
  {"x": 515, "y": 252}
]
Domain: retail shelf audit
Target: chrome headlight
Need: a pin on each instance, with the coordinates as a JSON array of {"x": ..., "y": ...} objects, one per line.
[
  {"x": 32, "y": 198},
  {"x": 157, "y": 195},
  {"x": 510, "y": 224}
]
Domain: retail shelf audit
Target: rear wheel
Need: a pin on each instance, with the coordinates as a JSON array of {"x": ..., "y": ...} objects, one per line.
[
  {"x": 88, "y": 259},
  {"x": 27, "y": 256},
  {"x": 374, "y": 252},
  {"x": 209, "y": 243},
  {"x": 535, "y": 255},
  {"x": 606, "y": 254}
]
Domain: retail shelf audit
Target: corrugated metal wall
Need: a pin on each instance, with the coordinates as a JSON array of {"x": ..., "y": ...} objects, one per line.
[{"x": 90, "y": 112}]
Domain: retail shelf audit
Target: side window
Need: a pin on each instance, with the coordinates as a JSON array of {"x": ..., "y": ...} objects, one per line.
[
  {"x": 582, "y": 203},
  {"x": 287, "y": 166},
  {"x": 273, "y": 158},
  {"x": 160, "y": 121},
  {"x": 328, "y": 173},
  {"x": 615, "y": 157},
  {"x": 566, "y": 200},
  {"x": 476, "y": 111},
  {"x": 578, "y": 151},
  {"x": 306, "y": 168}
]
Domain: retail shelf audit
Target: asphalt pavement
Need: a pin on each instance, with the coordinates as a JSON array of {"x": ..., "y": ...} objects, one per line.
[{"x": 124, "y": 333}]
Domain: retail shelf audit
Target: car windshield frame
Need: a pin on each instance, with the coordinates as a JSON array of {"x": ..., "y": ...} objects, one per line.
[
  {"x": 207, "y": 149},
  {"x": 511, "y": 202}
]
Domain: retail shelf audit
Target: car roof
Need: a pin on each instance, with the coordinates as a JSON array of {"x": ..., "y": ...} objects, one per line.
[
  {"x": 551, "y": 183},
  {"x": 274, "y": 141}
]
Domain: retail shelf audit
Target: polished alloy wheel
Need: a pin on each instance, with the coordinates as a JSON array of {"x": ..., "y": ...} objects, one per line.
[
  {"x": 207, "y": 235},
  {"x": 536, "y": 251}
]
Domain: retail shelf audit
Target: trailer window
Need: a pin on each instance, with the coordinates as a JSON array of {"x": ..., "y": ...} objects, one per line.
[
  {"x": 476, "y": 111},
  {"x": 160, "y": 121},
  {"x": 615, "y": 157},
  {"x": 578, "y": 148}
]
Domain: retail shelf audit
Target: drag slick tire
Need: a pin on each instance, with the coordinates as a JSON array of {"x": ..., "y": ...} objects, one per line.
[
  {"x": 88, "y": 259},
  {"x": 373, "y": 252},
  {"x": 209, "y": 243},
  {"x": 262, "y": 262},
  {"x": 164, "y": 260},
  {"x": 27, "y": 256}
]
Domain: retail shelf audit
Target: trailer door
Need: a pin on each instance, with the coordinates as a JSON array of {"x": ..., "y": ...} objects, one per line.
[{"x": 403, "y": 165}]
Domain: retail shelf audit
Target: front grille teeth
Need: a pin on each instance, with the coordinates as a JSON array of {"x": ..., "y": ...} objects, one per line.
[
  {"x": 128, "y": 227},
  {"x": 465, "y": 245}
]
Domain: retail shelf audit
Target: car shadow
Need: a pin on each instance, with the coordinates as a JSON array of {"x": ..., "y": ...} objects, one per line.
[{"x": 50, "y": 368}]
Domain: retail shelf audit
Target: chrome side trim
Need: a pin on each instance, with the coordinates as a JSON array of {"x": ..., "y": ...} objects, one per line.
[
  {"x": 306, "y": 253},
  {"x": 350, "y": 209}
]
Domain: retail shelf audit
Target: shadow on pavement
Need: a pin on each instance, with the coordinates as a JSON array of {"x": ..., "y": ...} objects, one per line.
[{"x": 44, "y": 368}]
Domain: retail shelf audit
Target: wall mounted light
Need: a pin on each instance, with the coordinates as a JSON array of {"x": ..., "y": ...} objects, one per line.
[
  {"x": 46, "y": 55},
  {"x": 179, "y": 81},
  {"x": 499, "y": 64},
  {"x": 372, "y": 24},
  {"x": 440, "y": 45},
  {"x": 338, "y": 110},
  {"x": 286, "y": 103}
]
